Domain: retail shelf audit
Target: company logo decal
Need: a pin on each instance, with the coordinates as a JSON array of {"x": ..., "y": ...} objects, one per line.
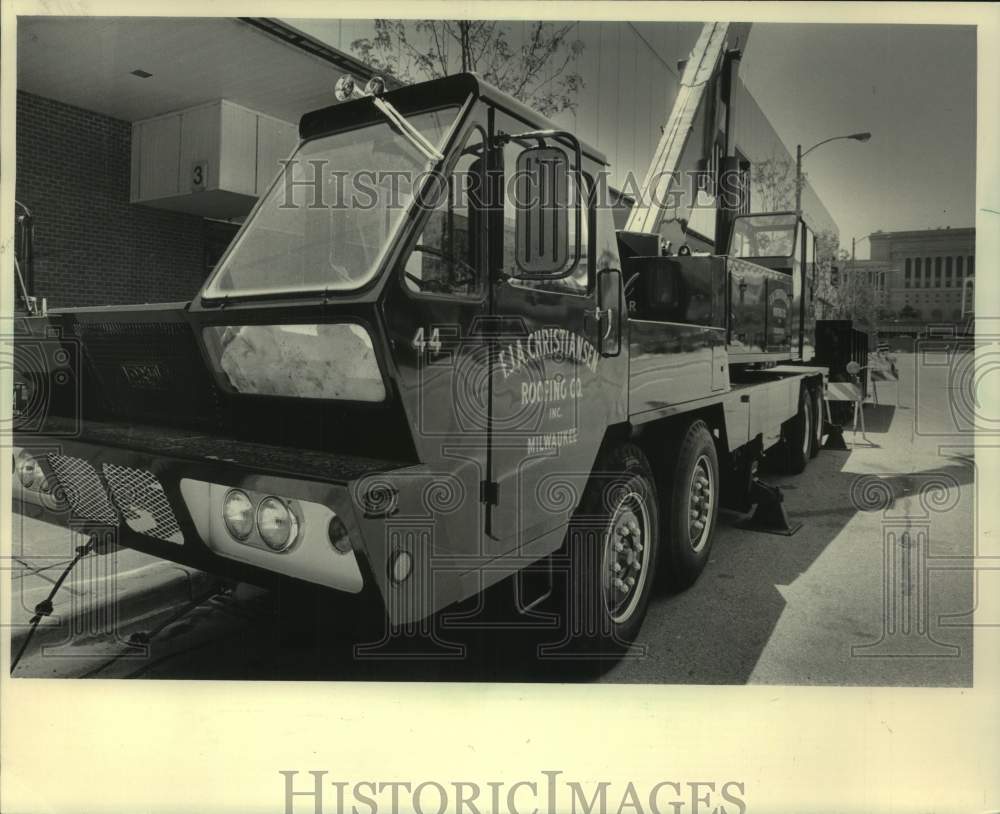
[
  {"x": 779, "y": 303},
  {"x": 557, "y": 344},
  {"x": 148, "y": 375}
]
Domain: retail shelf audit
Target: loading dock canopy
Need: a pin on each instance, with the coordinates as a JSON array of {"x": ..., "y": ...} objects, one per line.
[{"x": 90, "y": 62}]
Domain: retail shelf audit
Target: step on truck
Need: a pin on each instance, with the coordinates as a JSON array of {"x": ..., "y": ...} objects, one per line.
[{"x": 429, "y": 362}]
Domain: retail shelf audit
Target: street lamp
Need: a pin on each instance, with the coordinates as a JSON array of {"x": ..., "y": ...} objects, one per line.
[
  {"x": 799, "y": 155},
  {"x": 853, "y": 299}
]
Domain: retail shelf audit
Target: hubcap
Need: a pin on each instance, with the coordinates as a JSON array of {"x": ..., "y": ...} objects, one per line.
[
  {"x": 626, "y": 549},
  {"x": 700, "y": 503}
]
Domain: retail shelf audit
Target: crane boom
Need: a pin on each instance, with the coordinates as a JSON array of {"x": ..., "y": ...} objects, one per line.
[{"x": 663, "y": 177}]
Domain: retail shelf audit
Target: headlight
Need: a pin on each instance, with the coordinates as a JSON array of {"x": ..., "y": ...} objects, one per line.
[
  {"x": 400, "y": 566},
  {"x": 28, "y": 470},
  {"x": 237, "y": 511},
  {"x": 339, "y": 537},
  {"x": 276, "y": 523}
]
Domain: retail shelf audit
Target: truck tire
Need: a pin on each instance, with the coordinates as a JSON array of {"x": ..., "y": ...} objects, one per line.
[
  {"x": 691, "y": 489},
  {"x": 797, "y": 437},
  {"x": 613, "y": 544},
  {"x": 816, "y": 395}
]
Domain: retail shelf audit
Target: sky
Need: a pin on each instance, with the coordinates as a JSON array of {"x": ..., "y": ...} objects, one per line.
[{"x": 912, "y": 87}]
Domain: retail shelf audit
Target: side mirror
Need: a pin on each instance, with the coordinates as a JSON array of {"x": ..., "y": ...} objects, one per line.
[
  {"x": 544, "y": 197},
  {"x": 610, "y": 311}
]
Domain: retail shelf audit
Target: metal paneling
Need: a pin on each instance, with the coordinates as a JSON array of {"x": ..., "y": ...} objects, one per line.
[
  {"x": 199, "y": 143},
  {"x": 238, "y": 159},
  {"x": 159, "y": 157}
]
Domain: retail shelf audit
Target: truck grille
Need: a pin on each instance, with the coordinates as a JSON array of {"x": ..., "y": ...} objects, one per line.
[
  {"x": 143, "y": 504},
  {"x": 136, "y": 493},
  {"x": 150, "y": 370},
  {"x": 83, "y": 489}
]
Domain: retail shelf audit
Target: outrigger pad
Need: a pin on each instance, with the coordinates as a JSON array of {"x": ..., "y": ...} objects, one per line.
[
  {"x": 769, "y": 516},
  {"x": 835, "y": 437}
]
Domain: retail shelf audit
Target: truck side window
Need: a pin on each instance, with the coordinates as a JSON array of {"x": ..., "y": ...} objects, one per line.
[
  {"x": 446, "y": 257},
  {"x": 577, "y": 282}
]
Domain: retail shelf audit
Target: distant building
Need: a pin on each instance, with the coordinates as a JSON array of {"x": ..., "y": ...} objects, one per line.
[
  {"x": 930, "y": 268},
  {"x": 920, "y": 278}
]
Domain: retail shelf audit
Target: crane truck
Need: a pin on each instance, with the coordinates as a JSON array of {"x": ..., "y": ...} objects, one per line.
[{"x": 407, "y": 396}]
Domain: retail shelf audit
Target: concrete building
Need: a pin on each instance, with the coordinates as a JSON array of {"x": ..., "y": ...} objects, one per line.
[
  {"x": 930, "y": 269},
  {"x": 142, "y": 143},
  {"x": 928, "y": 274},
  {"x": 916, "y": 279}
]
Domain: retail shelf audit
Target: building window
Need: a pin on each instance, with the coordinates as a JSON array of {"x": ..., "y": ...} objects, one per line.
[
  {"x": 916, "y": 273},
  {"x": 947, "y": 272},
  {"x": 972, "y": 265},
  {"x": 927, "y": 272},
  {"x": 937, "y": 272}
]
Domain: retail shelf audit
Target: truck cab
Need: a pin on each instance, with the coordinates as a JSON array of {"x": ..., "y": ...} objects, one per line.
[{"x": 386, "y": 354}]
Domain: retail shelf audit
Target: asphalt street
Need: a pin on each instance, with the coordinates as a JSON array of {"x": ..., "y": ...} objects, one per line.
[{"x": 877, "y": 588}]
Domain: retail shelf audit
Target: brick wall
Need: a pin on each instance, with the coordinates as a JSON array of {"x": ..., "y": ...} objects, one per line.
[{"x": 93, "y": 247}]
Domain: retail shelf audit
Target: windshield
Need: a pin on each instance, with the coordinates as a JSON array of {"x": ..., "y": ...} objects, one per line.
[
  {"x": 329, "y": 218},
  {"x": 763, "y": 236}
]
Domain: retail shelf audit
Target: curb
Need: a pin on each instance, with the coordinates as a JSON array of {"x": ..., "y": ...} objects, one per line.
[{"x": 125, "y": 598}]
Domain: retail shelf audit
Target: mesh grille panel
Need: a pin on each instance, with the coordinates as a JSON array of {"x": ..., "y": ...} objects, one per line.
[
  {"x": 143, "y": 504},
  {"x": 83, "y": 488}
]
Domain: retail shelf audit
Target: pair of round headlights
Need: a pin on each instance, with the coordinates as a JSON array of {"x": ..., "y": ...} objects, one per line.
[{"x": 274, "y": 519}]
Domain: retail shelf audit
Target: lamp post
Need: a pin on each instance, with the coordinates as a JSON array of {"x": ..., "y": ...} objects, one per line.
[
  {"x": 853, "y": 301},
  {"x": 799, "y": 155}
]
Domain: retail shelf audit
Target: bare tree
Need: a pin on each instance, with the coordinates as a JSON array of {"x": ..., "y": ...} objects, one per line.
[
  {"x": 539, "y": 71},
  {"x": 774, "y": 181},
  {"x": 856, "y": 295},
  {"x": 824, "y": 287}
]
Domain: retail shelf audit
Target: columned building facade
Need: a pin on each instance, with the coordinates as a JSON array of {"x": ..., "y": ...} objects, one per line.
[{"x": 929, "y": 274}]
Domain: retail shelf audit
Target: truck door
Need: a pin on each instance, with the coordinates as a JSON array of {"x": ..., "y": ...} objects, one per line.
[
  {"x": 556, "y": 379},
  {"x": 432, "y": 310}
]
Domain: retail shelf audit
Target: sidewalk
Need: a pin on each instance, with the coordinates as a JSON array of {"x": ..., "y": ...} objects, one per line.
[{"x": 102, "y": 597}]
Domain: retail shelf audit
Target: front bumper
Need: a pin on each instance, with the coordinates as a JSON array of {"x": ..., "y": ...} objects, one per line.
[{"x": 161, "y": 491}]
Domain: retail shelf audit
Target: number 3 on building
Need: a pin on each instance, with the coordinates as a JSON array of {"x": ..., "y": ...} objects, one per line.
[
  {"x": 420, "y": 344},
  {"x": 199, "y": 175}
]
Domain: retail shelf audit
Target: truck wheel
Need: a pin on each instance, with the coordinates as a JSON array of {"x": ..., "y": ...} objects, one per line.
[
  {"x": 612, "y": 550},
  {"x": 817, "y": 415},
  {"x": 797, "y": 437},
  {"x": 692, "y": 504}
]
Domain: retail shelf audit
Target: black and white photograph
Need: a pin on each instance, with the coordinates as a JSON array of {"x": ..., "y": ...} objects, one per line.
[{"x": 612, "y": 353}]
